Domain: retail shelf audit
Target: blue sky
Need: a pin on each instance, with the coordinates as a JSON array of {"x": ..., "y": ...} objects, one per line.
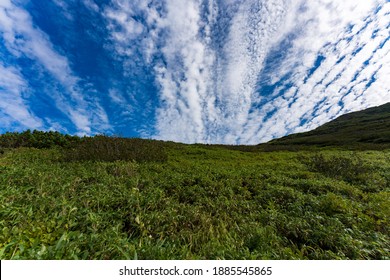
[{"x": 206, "y": 71}]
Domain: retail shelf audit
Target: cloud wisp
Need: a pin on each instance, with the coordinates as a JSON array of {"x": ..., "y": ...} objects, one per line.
[
  {"x": 14, "y": 111},
  {"x": 25, "y": 41}
]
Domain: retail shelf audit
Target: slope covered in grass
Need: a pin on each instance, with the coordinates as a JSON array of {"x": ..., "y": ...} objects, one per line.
[
  {"x": 64, "y": 197},
  {"x": 369, "y": 128},
  {"x": 199, "y": 202}
]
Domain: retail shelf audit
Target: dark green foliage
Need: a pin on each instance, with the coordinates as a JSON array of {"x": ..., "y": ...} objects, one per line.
[
  {"x": 351, "y": 169},
  {"x": 104, "y": 148},
  {"x": 97, "y": 148},
  {"x": 37, "y": 139},
  {"x": 368, "y": 129}
]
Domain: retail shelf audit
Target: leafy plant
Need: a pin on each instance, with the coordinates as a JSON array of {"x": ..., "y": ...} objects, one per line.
[
  {"x": 351, "y": 169},
  {"x": 104, "y": 148}
]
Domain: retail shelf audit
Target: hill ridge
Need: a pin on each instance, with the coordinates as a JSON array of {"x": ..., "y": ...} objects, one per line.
[{"x": 367, "y": 127}]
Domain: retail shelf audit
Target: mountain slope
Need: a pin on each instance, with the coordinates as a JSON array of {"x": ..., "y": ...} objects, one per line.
[{"x": 364, "y": 128}]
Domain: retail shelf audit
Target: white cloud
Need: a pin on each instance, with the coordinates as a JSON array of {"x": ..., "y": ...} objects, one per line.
[
  {"x": 120, "y": 101},
  {"x": 254, "y": 30},
  {"x": 13, "y": 107},
  {"x": 64, "y": 7},
  {"x": 185, "y": 75},
  {"x": 124, "y": 28},
  {"x": 22, "y": 38},
  {"x": 91, "y": 5}
]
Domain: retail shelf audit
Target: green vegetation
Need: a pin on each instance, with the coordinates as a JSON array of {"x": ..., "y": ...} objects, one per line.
[
  {"x": 192, "y": 202},
  {"x": 97, "y": 148},
  {"x": 324, "y": 194},
  {"x": 368, "y": 129},
  {"x": 104, "y": 148},
  {"x": 36, "y": 139}
]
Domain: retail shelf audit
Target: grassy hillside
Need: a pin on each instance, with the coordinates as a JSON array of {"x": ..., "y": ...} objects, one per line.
[
  {"x": 364, "y": 129},
  {"x": 192, "y": 202},
  {"x": 65, "y": 197}
]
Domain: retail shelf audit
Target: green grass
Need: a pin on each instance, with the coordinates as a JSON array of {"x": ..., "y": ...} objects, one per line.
[
  {"x": 199, "y": 202},
  {"x": 367, "y": 129}
]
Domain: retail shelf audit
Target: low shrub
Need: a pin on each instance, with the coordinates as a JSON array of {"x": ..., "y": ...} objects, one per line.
[
  {"x": 350, "y": 169},
  {"x": 104, "y": 148},
  {"x": 37, "y": 139}
]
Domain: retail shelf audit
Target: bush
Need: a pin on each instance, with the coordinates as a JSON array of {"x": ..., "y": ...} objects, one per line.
[
  {"x": 350, "y": 169},
  {"x": 97, "y": 148},
  {"x": 37, "y": 139},
  {"x": 104, "y": 148}
]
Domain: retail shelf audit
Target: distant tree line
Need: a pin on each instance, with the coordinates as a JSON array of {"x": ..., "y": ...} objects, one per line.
[
  {"x": 37, "y": 139},
  {"x": 96, "y": 148}
]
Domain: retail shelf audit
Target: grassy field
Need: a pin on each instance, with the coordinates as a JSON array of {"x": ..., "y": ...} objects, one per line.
[
  {"x": 195, "y": 202},
  {"x": 366, "y": 129}
]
